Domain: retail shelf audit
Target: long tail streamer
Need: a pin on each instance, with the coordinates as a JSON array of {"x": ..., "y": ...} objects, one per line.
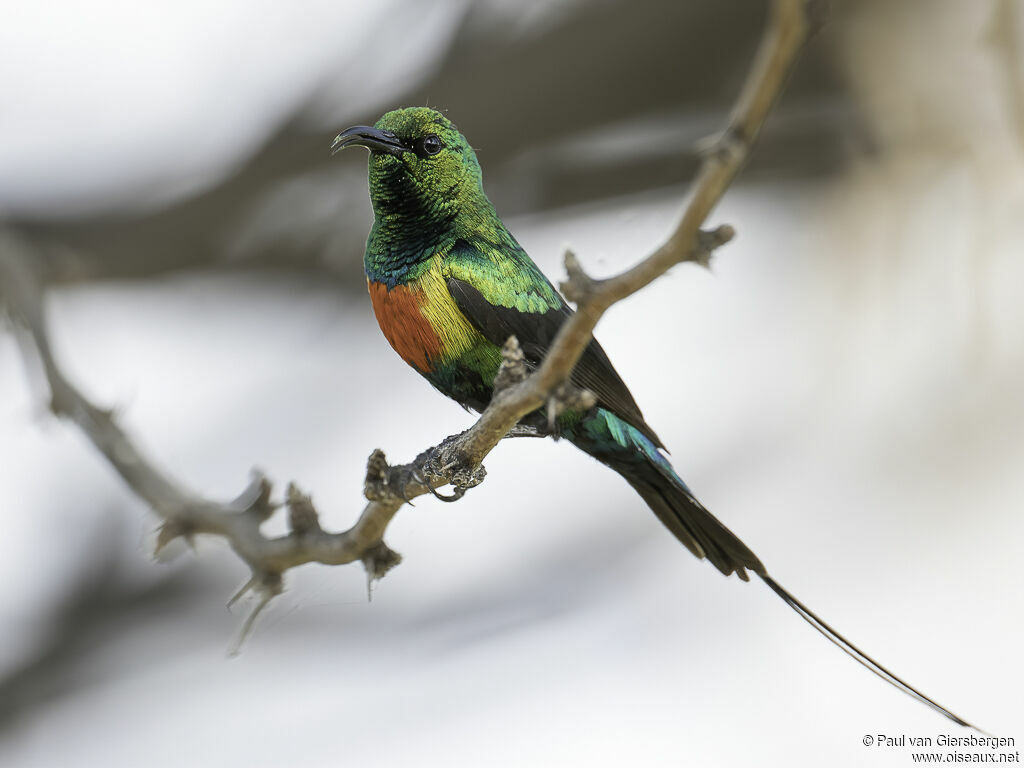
[{"x": 856, "y": 653}]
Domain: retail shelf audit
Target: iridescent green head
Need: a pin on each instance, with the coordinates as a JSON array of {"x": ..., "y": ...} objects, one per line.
[{"x": 423, "y": 173}]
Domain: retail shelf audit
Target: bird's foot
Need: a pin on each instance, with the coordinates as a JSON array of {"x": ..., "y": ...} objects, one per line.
[
  {"x": 440, "y": 466},
  {"x": 458, "y": 493},
  {"x": 432, "y": 469}
]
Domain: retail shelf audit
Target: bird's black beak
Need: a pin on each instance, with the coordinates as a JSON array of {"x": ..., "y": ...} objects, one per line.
[{"x": 369, "y": 137}]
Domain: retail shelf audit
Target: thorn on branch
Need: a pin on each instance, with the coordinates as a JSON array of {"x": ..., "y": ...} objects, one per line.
[
  {"x": 377, "y": 561},
  {"x": 302, "y": 515},
  {"x": 255, "y": 499},
  {"x": 708, "y": 240},
  {"x": 63, "y": 404},
  {"x": 513, "y": 366},
  {"x": 579, "y": 285},
  {"x": 375, "y": 486},
  {"x": 242, "y": 591},
  {"x": 567, "y": 397},
  {"x": 727, "y": 147},
  {"x": 269, "y": 585},
  {"x": 170, "y": 532}
]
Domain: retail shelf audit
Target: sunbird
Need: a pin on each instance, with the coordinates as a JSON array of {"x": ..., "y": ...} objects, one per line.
[{"x": 449, "y": 285}]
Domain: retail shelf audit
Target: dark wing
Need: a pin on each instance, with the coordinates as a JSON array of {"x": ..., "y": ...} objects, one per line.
[{"x": 535, "y": 331}]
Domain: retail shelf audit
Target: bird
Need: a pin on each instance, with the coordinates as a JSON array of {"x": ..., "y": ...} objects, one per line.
[{"x": 449, "y": 285}]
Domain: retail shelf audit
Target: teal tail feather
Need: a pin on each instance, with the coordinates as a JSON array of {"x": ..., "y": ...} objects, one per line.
[{"x": 633, "y": 455}]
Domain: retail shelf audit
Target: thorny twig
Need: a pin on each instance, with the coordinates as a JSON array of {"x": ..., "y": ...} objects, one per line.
[{"x": 457, "y": 460}]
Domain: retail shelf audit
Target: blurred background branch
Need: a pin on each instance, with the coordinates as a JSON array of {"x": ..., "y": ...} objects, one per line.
[{"x": 281, "y": 206}]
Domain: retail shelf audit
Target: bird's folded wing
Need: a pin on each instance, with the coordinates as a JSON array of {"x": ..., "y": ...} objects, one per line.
[{"x": 515, "y": 298}]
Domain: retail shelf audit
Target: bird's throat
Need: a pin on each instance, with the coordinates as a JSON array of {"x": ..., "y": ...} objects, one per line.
[{"x": 409, "y": 226}]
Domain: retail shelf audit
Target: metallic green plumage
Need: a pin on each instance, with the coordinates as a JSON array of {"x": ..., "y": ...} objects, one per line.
[{"x": 438, "y": 246}]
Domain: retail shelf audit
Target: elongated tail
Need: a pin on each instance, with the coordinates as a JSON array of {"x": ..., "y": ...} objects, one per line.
[
  {"x": 629, "y": 452},
  {"x": 625, "y": 449}
]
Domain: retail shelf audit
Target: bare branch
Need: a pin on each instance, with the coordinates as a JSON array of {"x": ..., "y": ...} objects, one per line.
[{"x": 457, "y": 460}]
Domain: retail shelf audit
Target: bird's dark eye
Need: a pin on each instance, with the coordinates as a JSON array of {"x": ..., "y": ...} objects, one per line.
[{"x": 431, "y": 144}]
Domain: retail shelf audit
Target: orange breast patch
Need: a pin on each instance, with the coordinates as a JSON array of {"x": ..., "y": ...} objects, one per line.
[{"x": 404, "y": 326}]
